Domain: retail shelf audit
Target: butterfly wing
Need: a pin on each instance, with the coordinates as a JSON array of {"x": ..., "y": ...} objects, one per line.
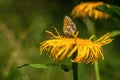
[{"x": 68, "y": 26}]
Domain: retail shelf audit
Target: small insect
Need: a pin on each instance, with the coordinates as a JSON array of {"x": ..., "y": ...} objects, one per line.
[{"x": 68, "y": 26}]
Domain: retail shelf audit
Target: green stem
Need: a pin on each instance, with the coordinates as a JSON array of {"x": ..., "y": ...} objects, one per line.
[
  {"x": 91, "y": 30},
  {"x": 97, "y": 70},
  {"x": 75, "y": 71},
  {"x": 75, "y": 68}
]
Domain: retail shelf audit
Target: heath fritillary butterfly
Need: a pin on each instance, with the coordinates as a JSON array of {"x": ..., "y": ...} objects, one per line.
[{"x": 68, "y": 26}]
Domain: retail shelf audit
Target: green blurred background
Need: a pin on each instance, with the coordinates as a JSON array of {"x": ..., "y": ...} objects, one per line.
[{"x": 22, "y": 28}]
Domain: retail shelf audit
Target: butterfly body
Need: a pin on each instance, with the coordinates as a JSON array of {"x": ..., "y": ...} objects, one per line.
[{"x": 69, "y": 27}]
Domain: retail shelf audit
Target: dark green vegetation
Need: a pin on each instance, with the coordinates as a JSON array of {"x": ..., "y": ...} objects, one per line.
[{"x": 22, "y": 28}]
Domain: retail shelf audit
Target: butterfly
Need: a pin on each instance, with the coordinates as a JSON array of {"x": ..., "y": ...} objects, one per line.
[{"x": 69, "y": 27}]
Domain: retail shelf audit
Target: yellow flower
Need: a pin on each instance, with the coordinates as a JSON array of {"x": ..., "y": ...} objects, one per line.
[
  {"x": 86, "y": 50},
  {"x": 87, "y": 9}
]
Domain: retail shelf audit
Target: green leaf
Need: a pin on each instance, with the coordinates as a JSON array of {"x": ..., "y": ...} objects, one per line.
[
  {"x": 112, "y": 10},
  {"x": 66, "y": 68},
  {"x": 40, "y": 65},
  {"x": 24, "y": 65},
  {"x": 115, "y": 33}
]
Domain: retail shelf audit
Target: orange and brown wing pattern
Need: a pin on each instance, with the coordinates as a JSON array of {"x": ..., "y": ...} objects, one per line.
[{"x": 68, "y": 26}]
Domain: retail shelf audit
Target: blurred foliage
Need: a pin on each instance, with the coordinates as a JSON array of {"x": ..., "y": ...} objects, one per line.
[
  {"x": 113, "y": 11},
  {"x": 22, "y": 28}
]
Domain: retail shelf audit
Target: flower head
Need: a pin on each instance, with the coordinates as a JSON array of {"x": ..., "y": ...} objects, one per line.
[
  {"x": 87, "y": 9},
  {"x": 61, "y": 47}
]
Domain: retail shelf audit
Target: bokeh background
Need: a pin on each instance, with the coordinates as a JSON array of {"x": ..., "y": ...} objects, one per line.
[{"x": 22, "y": 28}]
